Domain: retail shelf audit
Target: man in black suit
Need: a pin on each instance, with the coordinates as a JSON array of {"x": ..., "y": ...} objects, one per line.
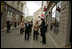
[
  {"x": 42, "y": 30},
  {"x": 30, "y": 27},
  {"x": 27, "y": 28}
]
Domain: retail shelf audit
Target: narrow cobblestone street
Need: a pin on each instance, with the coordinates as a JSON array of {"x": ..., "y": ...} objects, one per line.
[{"x": 15, "y": 40}]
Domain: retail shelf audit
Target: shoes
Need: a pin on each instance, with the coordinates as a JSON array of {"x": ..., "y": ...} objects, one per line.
[
  {"x": 44, "y": 43},
  {"x": 27, "y": 39},
  {"x": 36, "y": 39},
  {"x": 8, "y": 32},
  {"x": 21, "y": 33},
  {"x": 33, "y": 39}
]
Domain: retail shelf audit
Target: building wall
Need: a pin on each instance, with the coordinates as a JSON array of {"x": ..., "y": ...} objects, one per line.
[
  {"x": 4, "y": 15},
  {"x": 14, "y": 4},
  {"x": 24, "y": 4},
  {"x": 3, "y": 19},
  {"x": 62, "y": 38},
  {"x": 65, "y": 22},
  {"x": 37, "y": 13}
]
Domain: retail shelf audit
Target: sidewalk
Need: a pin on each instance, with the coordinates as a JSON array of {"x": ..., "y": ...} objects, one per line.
[{"x": 11, "y": 28}]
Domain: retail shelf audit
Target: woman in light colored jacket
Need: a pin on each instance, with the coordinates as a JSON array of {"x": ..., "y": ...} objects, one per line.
[
  {"x": 36, "y": 28},
  {"x": 21, "y": 25}
]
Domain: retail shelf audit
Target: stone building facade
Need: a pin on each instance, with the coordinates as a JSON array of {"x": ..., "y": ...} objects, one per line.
[
  {"x": 63, "y": 37},
  {"x": 14, "y": 9},
  {"x": 37, "y": 14}
]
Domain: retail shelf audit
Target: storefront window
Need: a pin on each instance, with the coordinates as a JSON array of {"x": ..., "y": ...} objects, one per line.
[
  {"x": 55, "y": 18},
  {"x": 17, "y": 17}
]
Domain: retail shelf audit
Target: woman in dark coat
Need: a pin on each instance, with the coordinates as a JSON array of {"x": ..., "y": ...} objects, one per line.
[{"x": 42, "y": 28}]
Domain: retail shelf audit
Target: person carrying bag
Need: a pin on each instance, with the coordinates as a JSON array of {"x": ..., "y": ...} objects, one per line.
[
  {"x": 21, "y": 27},
  {"x": 36, "y": 28}
]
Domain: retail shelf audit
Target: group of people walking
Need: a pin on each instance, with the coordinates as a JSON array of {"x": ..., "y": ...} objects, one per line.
[{"x": 27, "y": 28}]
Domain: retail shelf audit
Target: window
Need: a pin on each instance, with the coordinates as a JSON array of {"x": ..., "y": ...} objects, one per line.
[
  {"x": 53, "y": 13},
  {"x": 21, "y": 6},
  {"x": 13, "y": 2},
  {"x": 55, "y": 19},
  {"x": 18, "y": 2}
]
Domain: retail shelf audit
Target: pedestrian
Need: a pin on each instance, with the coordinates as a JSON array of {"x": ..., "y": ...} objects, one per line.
[
  {"x": 35, "y": 33},
  {"x": 21, "y": 27},
  {"x": 15, "y": 23},
  {"x": 30, "y": 27},
  {"x": 42, "y": 28},
  {"x": 8, "y": 26},
  {"x": 27, "y": 28},
  {"x": 8, "y": 22},
  {"x": 46, "y": 26}
]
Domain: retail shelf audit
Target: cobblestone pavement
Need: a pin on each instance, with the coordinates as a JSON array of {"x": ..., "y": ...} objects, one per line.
[{"x": 15, "y": 40}]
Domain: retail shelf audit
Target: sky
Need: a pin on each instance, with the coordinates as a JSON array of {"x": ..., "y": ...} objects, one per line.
[{"x": 33, "y": 6}]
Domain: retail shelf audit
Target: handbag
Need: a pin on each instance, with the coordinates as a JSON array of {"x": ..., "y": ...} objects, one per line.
[{"x": 38, "y": 33}]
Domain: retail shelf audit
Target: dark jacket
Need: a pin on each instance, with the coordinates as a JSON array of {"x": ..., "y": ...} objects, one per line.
[
  {"x": 27, "y": 28},
  {"x": 42, "y": 27}
]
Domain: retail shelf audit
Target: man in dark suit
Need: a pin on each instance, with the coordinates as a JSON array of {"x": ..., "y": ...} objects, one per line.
[
  {"x": 8, "y": 22},
  {"x": 30, "y": 27},
  {"x": 8, "y": 26},
  {"x": 42, "y": 29},
  {"x": 27, "y": 28}
]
